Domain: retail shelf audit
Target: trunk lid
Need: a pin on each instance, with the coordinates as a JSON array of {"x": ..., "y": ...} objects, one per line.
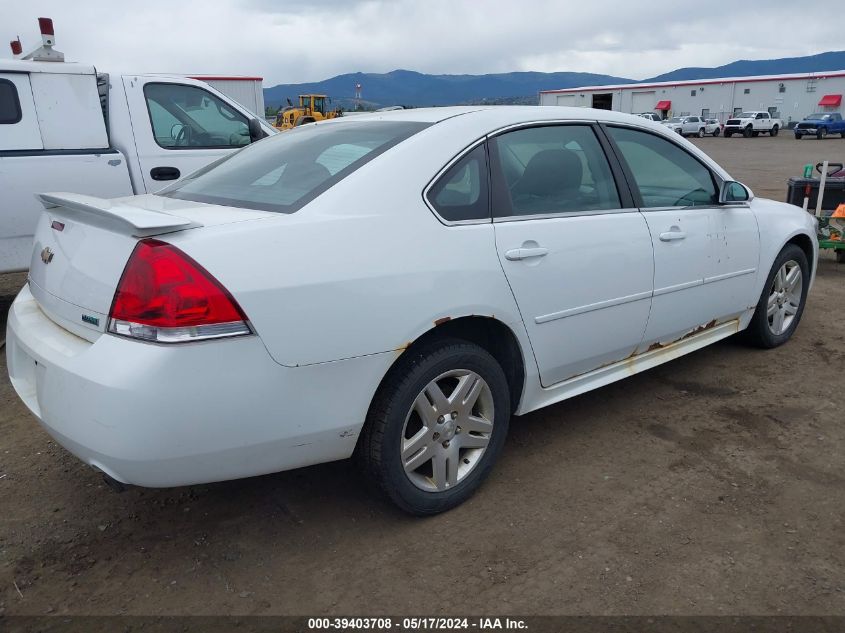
[{"x": 82, "y": 244}]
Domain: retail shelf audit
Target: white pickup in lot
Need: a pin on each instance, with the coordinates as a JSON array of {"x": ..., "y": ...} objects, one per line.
[
  {"x": 752, "y": 124},
  {"x": 70, "y": 127}
]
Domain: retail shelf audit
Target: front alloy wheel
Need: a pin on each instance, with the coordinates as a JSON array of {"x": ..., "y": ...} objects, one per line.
[
  {"x": 785, "y": 297},
  {"x": 782, "y": 301}
]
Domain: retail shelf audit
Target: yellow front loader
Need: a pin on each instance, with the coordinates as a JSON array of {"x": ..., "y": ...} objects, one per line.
[{"x": 311, "y": 108}]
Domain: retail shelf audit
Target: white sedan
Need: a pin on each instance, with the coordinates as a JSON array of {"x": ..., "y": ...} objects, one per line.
[{"x": 394, "y": 286}]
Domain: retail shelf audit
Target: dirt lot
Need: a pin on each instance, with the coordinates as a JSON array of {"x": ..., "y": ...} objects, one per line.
[{"x": 714, "y": 484}]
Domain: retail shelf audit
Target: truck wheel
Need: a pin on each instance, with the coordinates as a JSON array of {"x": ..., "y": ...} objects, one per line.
[
  {"x": 701, "y": 133},
  {"x": 821, "y": 133},
  {"x": 748, "y": 132},
  {"x": 774, "y": 131},
  {"x": 728, "y": 134},
  {"x": 798, "y": 136},
  {"x": 716, "y": 133}
]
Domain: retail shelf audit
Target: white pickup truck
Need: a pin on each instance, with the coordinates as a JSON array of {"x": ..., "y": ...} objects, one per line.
[
  {"x": 752, "y": 124},
  {"x": 68, "y": 127}
]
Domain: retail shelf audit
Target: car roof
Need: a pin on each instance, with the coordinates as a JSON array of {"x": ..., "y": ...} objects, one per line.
[{"x": 499, "y": 115}]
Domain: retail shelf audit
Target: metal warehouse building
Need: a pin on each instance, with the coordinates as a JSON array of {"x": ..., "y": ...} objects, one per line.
[
  {"x": 248, "y": 91},
  {"x": 790, "y": 97}
]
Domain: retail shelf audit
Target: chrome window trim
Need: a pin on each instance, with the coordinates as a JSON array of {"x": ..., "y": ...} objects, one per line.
[
  {"x": 564, "y": 214},
  {"x": 702, "y": 207}
]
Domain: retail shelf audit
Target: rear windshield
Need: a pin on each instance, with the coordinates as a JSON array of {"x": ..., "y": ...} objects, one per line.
[{"x": 286, "y": 172}]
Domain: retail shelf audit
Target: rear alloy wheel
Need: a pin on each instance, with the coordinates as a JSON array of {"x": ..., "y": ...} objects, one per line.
[
  {"x": 774, "y": 131},
  {"x": 701, "y": 133},
  {"x": 716, "y": 132},
  {"x": 436, "y": 426},
  {"x": 782, "y": 302}
]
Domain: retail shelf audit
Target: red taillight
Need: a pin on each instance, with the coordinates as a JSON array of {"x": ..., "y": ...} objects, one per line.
[{"x": 165, "y": 296}]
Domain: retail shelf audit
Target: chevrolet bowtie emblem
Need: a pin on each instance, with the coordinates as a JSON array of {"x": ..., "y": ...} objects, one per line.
[{"x": 46, "y": 255}]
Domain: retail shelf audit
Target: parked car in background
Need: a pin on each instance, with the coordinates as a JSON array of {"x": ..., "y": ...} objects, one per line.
[
  {"x": 820, "y": 125},
  {"x": 753, "y": 123},
  {"x": 72, "y": 127},
  {"x": 687, "y": 125},
  {"x": 674, "y": 123},
  {"x": 651, "y": 116},
  {"x": 712, "y": 127},
  {"x": 271, "y": 312}
]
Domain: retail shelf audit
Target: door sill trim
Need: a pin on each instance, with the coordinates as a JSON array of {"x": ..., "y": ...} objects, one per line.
[{"x": 658, "y": 354}]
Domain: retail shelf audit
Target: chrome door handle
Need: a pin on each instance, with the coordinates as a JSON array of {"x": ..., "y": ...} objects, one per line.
[
  {"x": 516, "y": 254},
  {"x": 670, "y": 236}
]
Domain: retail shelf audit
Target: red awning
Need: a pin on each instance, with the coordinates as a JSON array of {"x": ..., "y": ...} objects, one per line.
[
  {"x": 831, "y": 100},
  {"x": 663, "y": 105}
]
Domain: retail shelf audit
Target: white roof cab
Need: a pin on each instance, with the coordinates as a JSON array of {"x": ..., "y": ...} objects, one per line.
[
  {"x": 71, "y": 127},
  {"x": 394, "y": 284}
]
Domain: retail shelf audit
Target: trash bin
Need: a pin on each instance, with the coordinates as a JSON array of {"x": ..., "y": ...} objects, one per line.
[{"x": 834, "y": 192}]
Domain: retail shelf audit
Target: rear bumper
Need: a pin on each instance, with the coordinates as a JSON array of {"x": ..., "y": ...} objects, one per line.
[{"x": 159, "y": 415}]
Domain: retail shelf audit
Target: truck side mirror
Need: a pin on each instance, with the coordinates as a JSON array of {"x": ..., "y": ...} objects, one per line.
[{"x": 256, "y": 132}]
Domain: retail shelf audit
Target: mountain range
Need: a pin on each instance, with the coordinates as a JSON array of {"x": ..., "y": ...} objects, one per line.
[{"x": 409, "y": 88}]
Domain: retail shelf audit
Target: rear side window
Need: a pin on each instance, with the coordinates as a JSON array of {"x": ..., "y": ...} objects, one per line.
[
  {"x": 462, "y": 193},
  {"x": 665, "y": 174},
  {"x": 10, "y": 105},
  {"x": 551, "y": 169},
  {"x": 188, "y": 117},
  {"x": 285, "y": 172}
]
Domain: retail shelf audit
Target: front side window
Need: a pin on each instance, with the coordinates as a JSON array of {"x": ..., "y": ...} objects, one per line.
[
  {"x": 461, "y": 193},
  {"x": 284, "y": 173},
  {"x": 552, "y": 169},
  {"x": 10, "y": 105},
  {"x": 188, "y": 117},
  {"x": 666, "y": 175}
]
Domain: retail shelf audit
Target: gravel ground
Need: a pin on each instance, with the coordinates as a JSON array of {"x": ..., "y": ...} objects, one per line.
[{"x": 710, "y": 485}]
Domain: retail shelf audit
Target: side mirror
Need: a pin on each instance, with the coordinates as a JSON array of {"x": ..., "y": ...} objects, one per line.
[
  {"x": 732, "y": 191},
  {"x": 256, "y": 132}
]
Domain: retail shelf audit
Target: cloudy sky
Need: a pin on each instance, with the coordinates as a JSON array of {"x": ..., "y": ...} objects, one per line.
[{"x": 288, "y": 42}]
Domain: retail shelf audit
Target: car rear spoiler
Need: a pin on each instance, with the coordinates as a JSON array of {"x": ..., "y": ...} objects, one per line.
[{"x": 118, "y": 217}]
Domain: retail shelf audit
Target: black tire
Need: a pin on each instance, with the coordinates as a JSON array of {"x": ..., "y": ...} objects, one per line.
[
  {"x": 701, "y": 133},
  {"x": 774, "y": 131},
  {"x": 748, "y": 132},
  {"x": 821, "y": 133},
  {"x": 759, "y": 332},
  {"x": 728, "y": 134},
  {"x": 716, "y": 132},
  {"x": 798, "y": 137},
  {"x": 378, "y": 449},
  {"x": 840, "y": 256}
]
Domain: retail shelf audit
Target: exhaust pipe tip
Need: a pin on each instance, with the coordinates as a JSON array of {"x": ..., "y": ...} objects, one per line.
[{"x": 113, "y": 483}]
